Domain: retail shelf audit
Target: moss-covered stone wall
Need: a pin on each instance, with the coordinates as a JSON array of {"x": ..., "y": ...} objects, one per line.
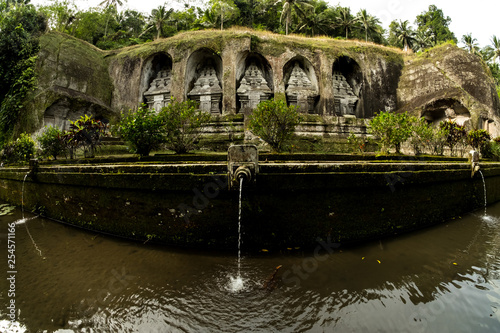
[
  {"x": 75, "y": 76},
  {"x": 291, "y": 203}
]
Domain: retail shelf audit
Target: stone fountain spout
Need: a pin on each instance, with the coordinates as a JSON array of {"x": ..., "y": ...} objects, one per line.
[
  {"x": 242, "y": 163},
  {"x": 33, "y": 168},
  {"x": 474, "y": 162}
]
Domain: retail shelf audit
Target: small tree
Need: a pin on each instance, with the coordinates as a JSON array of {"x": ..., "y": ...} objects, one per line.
[
  {"x": 183, "y": 124},
  {"x": 421, "y": 134},
  {"x": 478, "y": 139},
  {"x": 438, "y": 140},
  {"x": 456, "y": 133},
  {"x": 51, "y": 142},
  {"x": 20, "y": 150},
  {"x": 392, "y": 129},
  {"x": 143, "y": 130},
  {"x": 274, "y": 122},
  {"x": 87, "y": 132}
]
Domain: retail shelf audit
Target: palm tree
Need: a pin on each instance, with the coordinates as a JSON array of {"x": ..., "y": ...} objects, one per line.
[
  {"x": 317, "y": 21},
  {"x": 496, "y": 48},
  {"x": 368, "y": 22},
  {"x": 286, "y": 13},
  {"x": 345, "y": 20},
  {"x": 423, "y": 40},
  {"x": 158, "y": 18},
  {"x": 405, "y": 34},
  {"x": 108, "y": 4},
  {"x": 470, "y": 43}
]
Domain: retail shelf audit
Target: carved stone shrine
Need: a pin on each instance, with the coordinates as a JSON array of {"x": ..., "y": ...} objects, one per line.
[
  {"x": 158, "y": 94},
  {"x": 253, "y": 88},
  {"x": 207, "y": 91},
  {"x": 344, "y": 98},
  {"x": 300, "y": 90}
]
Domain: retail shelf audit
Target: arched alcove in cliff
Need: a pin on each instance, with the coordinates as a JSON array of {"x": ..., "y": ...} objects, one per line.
[
  {"x": 156, "y": 81},
  {"x": 254, "y": 81},
  {"x": 446, "y": 109},
  {"x": 301, "y": 84},
  {"x": 204, "y": 79},
  {"x": 66, "y": 109},
  {"x": 347, "y": 84}
]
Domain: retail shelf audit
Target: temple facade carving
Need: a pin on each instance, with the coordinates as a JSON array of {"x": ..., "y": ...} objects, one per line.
[
  {"x": 344, "y": 98},
  {"x": 253, "y": 88},
  {"x": 300, "y": 91},
  {"x": 207, "y": 90},
  {"x": 158, "y": 94}
]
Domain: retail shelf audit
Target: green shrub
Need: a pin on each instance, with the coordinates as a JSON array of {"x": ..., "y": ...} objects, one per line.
[
  {"x": 86, "y": 132},
  {"x": 274, "y": 122},
  {"x": 20, "y": 150},
  {"x": 183, "y": 122},
  {"x": 392, "y": 129},
  {"x": 357, "y": 143},
  {"x": 421, "y": 135},
  {"x": 143, "y": 130},
  {"x": 491, "y": 150},
  {"x": 52, "y": 142},
  {"x": 478, "y": 139},
  {"x": 438, "y": 140},
  {"x": 456, "y": 133}
]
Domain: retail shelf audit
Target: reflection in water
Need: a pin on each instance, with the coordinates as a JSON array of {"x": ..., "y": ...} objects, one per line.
[{"x": 444, "y": 278}]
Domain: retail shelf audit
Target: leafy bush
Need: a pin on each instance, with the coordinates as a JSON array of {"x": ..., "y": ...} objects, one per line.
[
  {"x": 478, "y": 139},
  {"x": 357, "y": 143},
  {"x": 455, "y": 133},
  {"x": 491, "y": 150},
  {"x": 20, "y": 26},
  {"x": 143, "y": 130},
  {"x": 86, "y": 132},
  {"x": 20, "y": 150},
  {"x": 52, "y": 142},
  {"x": 438, "y": 140},
  {"x": 274, "y": 122},
  {"x": 183, "y": 123},
  {"x": 392, "y": 129},
  {"x": 421, "y": 135}
]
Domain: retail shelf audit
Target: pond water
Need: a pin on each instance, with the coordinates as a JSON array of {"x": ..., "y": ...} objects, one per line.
[{"x": 441, "y": 279}]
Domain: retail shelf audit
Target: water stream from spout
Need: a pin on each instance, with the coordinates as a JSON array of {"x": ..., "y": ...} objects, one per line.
[
  {"x": 24, "y": 220},
  {"x": 484, "y": 186},
  {"x": 22, "y": 197},
  {"x": 239, "y": 230},
  {"x": 237, "y": 283}
]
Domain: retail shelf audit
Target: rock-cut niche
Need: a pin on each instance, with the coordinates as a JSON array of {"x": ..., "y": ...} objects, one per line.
[
  {"x": 254, "y": 81},
  {"x": 156, "y": 81},
  {"x": 203, "y": 80},
  {"x": 446, "y": 109},
  {"x": 301, "y": 84},
  {"x": 347, "y": 85}
]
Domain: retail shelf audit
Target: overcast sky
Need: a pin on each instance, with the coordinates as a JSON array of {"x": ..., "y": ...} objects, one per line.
[{"x": 477, "y": 17}]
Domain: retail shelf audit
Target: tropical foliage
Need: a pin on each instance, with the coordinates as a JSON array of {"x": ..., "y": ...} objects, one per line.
[
  {"x": 274, "y": 122},
  {"x": 392, "y": 129},
  {"x": 20, "y": 27},
  {"x": 183, "y": 124},
  {"x": 142, "y": 129}
]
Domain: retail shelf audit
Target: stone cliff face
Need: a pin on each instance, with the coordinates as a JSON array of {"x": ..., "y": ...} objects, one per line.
[
  {"x": 73, "y": 80},
  {"x": 447, "y": 82},
  {"x": 230, "y": 71}
]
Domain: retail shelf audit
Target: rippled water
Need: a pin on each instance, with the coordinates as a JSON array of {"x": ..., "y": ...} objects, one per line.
[{"x": 441, "y": 279}]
